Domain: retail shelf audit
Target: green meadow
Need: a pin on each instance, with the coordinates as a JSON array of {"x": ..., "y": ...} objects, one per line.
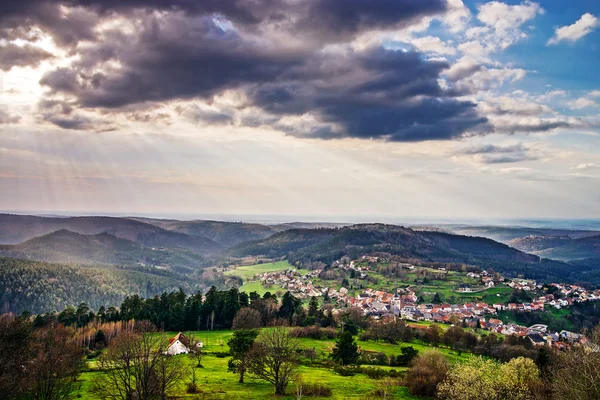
[{"x": 216, "y": 383}]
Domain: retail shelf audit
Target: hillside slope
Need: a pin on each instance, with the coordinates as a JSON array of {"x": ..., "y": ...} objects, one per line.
[
  {"x": 44, "y": 287},
  {"x": 573, "y": 249},
  {"x": 16, "y": 229},
  {"x": 504, "y": 234},
  {"x": 64, "y": 246},
  {"x": 327, "y": 245},
  {"x": 225, "y": 233}
]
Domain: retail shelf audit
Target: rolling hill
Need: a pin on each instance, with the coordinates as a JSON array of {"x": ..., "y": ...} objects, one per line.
[
  {"x": 567, "y": 248},
  {"x": 225, "y": 233},
  {"x": 41, "y": 287},
  {"x": 505, "y": 234},
  {"x": 64, "y": 246},
  {"x": 16, "y": 229},
  {"x": 326, "y": 245}
]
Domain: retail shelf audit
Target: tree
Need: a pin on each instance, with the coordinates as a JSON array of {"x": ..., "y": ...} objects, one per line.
[
  {"x": 136, "y": 367},
  {"x": 239, "y": 346},
  {"x": 427, "y": 372},
  {"x": 345, "y": 351},
  {"x": 408, "y": 355},
  {"x": 15, "y": 342},
  {"x": 436, "y": 298},
  {"x": 453, "y": 336},
  {"x": 246, "y": 318},
  {"x": 56, "y": 364},
  {"x": 576, "y": 373},
  {"x": 484, "y": 379},
  {"x": 313, "y": 307},
  {"x": 195, "y": 355},
  {"x": 289, "y": 305},
  {"x": 274, "y": 357},
  {"x": 433, "y": 335}
]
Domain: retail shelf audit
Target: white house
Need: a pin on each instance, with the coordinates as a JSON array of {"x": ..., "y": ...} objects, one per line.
[{"x": 178, "y": 345}]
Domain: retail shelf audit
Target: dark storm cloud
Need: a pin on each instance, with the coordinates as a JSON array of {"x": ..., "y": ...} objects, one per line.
[
  {"x": 12, "y": 55},
  {"x": 539, "y": 126},
  {"x": 493, "y": 154},
  {"x": 274, "y": 52},
  {"x": 373, "y": 94}
]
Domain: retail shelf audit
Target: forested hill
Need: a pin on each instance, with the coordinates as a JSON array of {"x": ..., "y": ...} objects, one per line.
[
  {"x": 504, "y": 234},
  {"x": 16, "y": 229},
  {"x": 225, "y": 233},
  {"x": 44, "y": 287},
  {"x": 326, "y": 245},
  {"x": 573, "y": 249},
  {"x": 69, "y": 247}
]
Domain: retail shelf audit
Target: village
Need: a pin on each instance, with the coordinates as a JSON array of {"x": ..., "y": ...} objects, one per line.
[{"x": 404, "y": 302}]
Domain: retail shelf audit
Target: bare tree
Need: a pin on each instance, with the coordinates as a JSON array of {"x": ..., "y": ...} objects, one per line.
[
  {"x": 247, "y": 318},
  {"x": 577, "y": 371},
  {"x": 56, "y": 364},
  {"x": 136, "y": 366},
  {"x": 274, "y": 358},
  {"x": 15, "y": 343},
  {"x": 195, "y": 355}
]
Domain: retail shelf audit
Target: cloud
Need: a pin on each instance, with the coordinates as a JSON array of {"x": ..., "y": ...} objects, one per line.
[
  {"x": 508, "y": 105},
  {"x": 12, "y": 55},
  {"x": 586, "y": 167},
  {"x": 515, "y": 124},
  {"x": 332, "y": 90},
  {"x": 8, "y": 118},
  {"x": 470, "y": 76},
  {"x": 582, "y": 102},
  {"x": 572, "y": 33},
  {"x": 204, "y": 114},
  {"x": 434, "y": 45},
  {"x": 494, "y": 154},
  {"x": 502, "y": 24}
]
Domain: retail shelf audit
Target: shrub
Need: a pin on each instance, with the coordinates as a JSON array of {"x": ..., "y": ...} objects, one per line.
[
  {"x": 314, "y": 332},
  {"x": 427, "y": 372},
  {"x": 316, "y": 390}
]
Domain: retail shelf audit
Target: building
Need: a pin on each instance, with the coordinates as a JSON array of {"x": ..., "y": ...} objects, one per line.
[{"x": 178, "y": 345}]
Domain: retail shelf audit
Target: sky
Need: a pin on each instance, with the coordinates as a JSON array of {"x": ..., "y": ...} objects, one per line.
[{"x": 366, "y": 108}]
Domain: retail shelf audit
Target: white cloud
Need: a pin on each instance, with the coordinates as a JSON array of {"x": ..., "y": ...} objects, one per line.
[
  {"x": 431, "y": 44},
  {"x": 594, "y": 93},
  {"x": 505, "y": 18},
  {"x": 548, "y": 96},
  {"x": 501, "y": 26},
  {"x": 585, "y": 25},
  {"x": 468, "y": 74},
  {"x": 582, "y": 102},
  {"x": 457, "y": 16},
  {"x": 585, "y": 167}
]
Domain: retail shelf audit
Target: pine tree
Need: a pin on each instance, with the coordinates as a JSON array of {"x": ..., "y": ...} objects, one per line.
[
  {"x": 346, "y": 350},
  {"x": 313, "y": 307}
]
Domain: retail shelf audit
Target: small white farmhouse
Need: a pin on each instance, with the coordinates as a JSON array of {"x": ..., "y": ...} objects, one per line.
[{"x": 178, "y": 345}]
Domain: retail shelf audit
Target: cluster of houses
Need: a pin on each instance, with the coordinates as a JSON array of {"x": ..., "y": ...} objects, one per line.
[
  {"x": 299, "y": 285},
  {"x": 403, "y": 303},
  {"x": 570, "y": 294}
]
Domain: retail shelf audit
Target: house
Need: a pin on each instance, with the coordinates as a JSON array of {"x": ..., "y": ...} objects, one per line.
[
  {"x": 178, "y": 345},
  {"x": 537, "y": 339}
]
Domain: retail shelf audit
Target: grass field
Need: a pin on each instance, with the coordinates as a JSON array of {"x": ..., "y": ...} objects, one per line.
[
  {"x": 247, "y": 272},
  {"x": 216, "y": 383}
]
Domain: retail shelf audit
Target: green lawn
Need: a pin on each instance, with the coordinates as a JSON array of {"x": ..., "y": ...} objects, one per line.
[
  {"x": 216, "y": 383},
  {"x": 248, "y": 271}
]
